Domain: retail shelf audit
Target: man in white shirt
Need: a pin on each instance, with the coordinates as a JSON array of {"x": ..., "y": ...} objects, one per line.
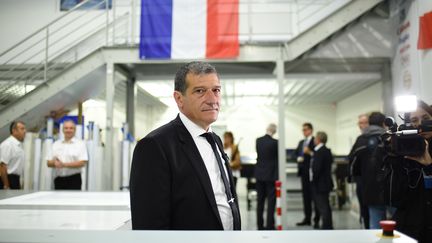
[
  {"x": 69, "y": 155},
  {"x": 180, "y": 178},
  {"x": 12, "y": 157}
]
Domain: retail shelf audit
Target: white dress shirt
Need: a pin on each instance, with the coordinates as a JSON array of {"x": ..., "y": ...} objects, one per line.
[
  {"x": 307, "y": 141},
  {"x": 12, "y": 154},
  {"x": 316, "y": 148},
  {"x": 212, "y": 167},
  {"x": 66, "y": 152}
]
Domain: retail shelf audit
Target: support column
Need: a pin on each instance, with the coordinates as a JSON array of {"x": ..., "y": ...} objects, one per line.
[
  {"x": 280, "y": 73},
  {"x": 387, "y": 90},
  {"x": 80, "y": 113},
  {"x": 131, "y": 94},
  {"x": 109, "y": 131}
]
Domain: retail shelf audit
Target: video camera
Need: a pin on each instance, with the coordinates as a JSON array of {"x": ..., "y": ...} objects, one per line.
[{"x": 405, "y": 140}]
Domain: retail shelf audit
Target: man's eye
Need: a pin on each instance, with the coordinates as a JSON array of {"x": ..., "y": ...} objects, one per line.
[
  {"x": 200, "y": 91},
  {"x": 217, "y": 90}
]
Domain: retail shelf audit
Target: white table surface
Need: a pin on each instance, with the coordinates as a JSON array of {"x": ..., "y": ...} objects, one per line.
[
  {"x": 70, "y": 198},
  {"x": 63, "y": 219},
  {"x": 71, "y": 210},
  {"x": 318, "y": 236}
]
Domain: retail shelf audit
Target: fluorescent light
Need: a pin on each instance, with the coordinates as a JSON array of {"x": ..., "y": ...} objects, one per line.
[{"x": 406, "y": 103}]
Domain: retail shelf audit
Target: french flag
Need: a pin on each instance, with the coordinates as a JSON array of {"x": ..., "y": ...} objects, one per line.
[{"x": 189, "y": 29}]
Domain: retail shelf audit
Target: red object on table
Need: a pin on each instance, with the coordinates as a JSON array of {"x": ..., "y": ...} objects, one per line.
[{"x": 388, "y": 227}]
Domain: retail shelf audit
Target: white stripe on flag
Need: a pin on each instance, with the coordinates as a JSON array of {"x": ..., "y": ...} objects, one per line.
[{"x": 189, "y": 28}]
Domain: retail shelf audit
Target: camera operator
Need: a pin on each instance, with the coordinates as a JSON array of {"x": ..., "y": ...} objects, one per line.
[{"x": 409, "y": 179}]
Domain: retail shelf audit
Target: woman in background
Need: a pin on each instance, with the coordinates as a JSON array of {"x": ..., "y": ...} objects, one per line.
[{"x": 233, "y": 154}]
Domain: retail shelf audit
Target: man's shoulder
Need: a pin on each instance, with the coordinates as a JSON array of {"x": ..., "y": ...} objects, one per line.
[
  {"x": 7, "y": 142},
  {"x": 162, "y": 132},
  {"x": 361, "y": 140}
]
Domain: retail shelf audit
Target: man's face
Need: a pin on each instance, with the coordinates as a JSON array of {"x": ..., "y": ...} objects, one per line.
[
  {"x": 363, "y": 122},
  {"x": 69, "y": 130},
  {"x": 306, "y": 131},
  {"x": 19, "y": 132},
  {"x": 201, "y": 101},
  {"x": 317, "y": 140}
]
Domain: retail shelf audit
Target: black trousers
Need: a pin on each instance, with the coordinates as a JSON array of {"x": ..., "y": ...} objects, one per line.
[
  {"x": 364, "y": 210},
  {"x": 14, "y": 182},
  {"x": 72, "y": 182},
  {"x": 308, "y": 201},
  {"x": 266, "y": 190},
  {"x": 322, "y": 202}
]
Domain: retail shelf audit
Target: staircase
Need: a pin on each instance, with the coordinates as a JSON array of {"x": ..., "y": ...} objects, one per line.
[{"x": 64, "y": 62}]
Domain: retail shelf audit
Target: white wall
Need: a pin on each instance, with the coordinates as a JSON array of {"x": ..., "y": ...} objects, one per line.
[
  {"x": 425, "y": 57},
  {"x": 347, "y": 111},
  {"x": 411, "y": 67},
  {"x": 250, "y": 122},
  {"x": 20, "y": 18}
]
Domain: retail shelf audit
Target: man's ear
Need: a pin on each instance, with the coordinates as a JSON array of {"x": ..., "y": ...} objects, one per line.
[{"x": 178, "y": 97}]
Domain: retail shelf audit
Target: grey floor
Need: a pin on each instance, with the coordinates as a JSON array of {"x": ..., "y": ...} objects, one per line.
[{"x": 342, "y": 218}]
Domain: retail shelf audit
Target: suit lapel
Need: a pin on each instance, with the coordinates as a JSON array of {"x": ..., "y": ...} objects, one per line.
[{"x": 193, "y": 156}]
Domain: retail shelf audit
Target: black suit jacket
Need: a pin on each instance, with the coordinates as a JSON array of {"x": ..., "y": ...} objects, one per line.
[
  {"x": 303, "y": 168},
  {"x": 170, "y": 188},
  {"x": 321, "y": 170},
  {"x": 266, "y": 168}
]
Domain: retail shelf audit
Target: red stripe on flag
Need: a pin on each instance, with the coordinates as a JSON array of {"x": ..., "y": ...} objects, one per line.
[
  {"x": 425, "y": 32},
  {"x": 222, "y": 29},
  {"x": 278, "y": 211}
]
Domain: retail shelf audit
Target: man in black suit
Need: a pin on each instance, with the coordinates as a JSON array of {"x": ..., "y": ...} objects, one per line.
[
  {"x": 303, "y": 152},
  {"x": 266, "y": 174},
  {"x": 321, "y": 180},
  {"x": 178, "y": 180}
]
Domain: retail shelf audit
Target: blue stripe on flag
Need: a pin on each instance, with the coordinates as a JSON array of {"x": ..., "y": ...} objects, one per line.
[{"x": 156, "y": 28}]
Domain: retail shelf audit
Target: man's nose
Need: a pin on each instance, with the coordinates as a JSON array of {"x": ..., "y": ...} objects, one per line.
[{"x": 210, "y": 95}]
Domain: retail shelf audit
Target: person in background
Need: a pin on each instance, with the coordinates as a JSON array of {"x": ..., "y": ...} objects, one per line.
[
  {"x": 321, "y": 179},
  {"x": 233, "y": 154},
  {"x": 12, "y": 157},
  {"x": 363, "y": 123},
  {"x": 178, "y": 180},
  {"x": 69, "y": 155},
  {"x": 409, "y": 181},
  {"x": 366, "y": 166},
  {"x": 266, "y": 174},
  {"x": 303, "y": 152}
]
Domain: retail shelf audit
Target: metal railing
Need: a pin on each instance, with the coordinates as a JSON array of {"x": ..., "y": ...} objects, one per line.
[{"x": 59, "y": 45}]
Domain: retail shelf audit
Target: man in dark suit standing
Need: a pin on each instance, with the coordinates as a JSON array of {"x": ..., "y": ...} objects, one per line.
[
  {"x": 321, "y": 180},
  {"x": 266, "y": 174},
  {"x": 303, "y": 152},
  {"x": 180, "y": 177}
]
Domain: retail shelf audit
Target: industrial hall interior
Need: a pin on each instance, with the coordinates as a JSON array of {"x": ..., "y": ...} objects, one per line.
[{"x": 216, "y": 120}]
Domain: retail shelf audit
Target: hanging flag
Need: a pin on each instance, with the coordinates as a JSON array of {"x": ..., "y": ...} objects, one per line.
[
  {"x": 189, "y": 29},
  {"x": 425, "y": 32}
]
